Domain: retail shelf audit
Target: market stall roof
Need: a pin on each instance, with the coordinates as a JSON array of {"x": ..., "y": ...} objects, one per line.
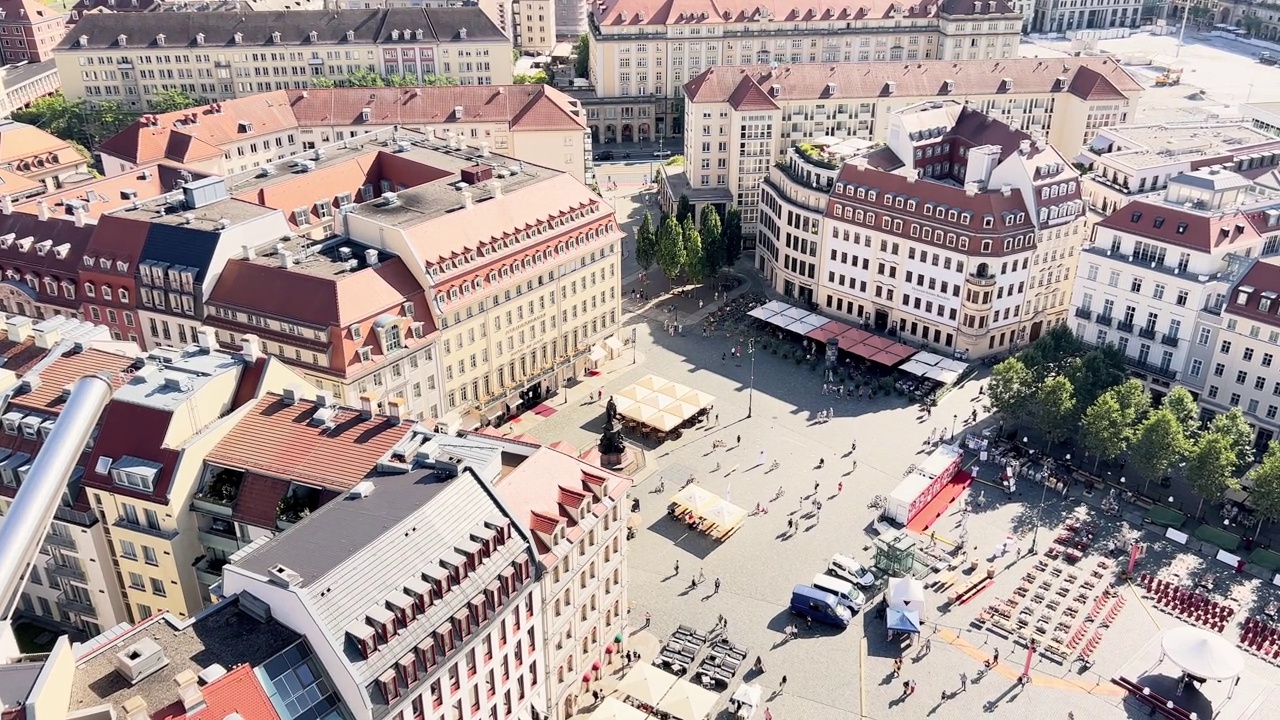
[
  {"x": 657, "y": 400},
  {"x": 795, "y": 313},
  {"x": 878, "y": 342},
  {"x": 905, "y": 594},
  {"x": 927, "y": 358},
  {"x": 764, "y": 312},
  {"x": 893, "y": 354},
  {"x": 1202, "y": 653},
  {"x": 829, "y": 330},
  {"x": 802, "y": 326},
  {"x": 724, "y": 514},
  {"x": 634, "y": 393},
  {"x": 639, "y": 413},
  {"x": 650, "y": 382},
  {"x": 946, "y": 377},
  {"x": 915, "y": 367},
  {"x": 611, "y": 708},
  {"x": 903, "y": 620},
  {"x": 695, "y": 498},
  {"x": 748, "y": 694},
  {"x": 664, "y": 421},
  {"x": 646, "y": 683},
  {"x": 687, "y": 701},
  {"x": 851, "y": 340},
  {"x": 621, "y": 402},
  {"x": 698, "y": 398}
]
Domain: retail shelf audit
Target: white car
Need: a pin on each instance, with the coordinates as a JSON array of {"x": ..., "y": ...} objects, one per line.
[{"x": 843, "y": 566}]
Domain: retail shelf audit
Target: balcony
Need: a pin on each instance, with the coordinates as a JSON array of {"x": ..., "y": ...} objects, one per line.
[
  {"x": 78, "y": 607},
  {"x": 1170, "y": 340},
  {"x": 124, "y": 524},
  {"x": 1104, "y": 320},
  {"x": 209, "y": 570},
  {"x": 1125, "y": 327},
  {"x": 1148, "y": 368},
  {"x": 220, "y": 538},
  {"x": 1148, "y": 333},
  {"x": 62, "y": 541},
  {"x": 66, "y": 571},
  {"x": 1084, "y": 313},
  {"x": 981, "y": 280}
]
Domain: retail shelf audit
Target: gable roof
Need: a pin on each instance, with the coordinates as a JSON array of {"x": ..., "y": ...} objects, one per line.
[
  {"x": 103, "y": 196},
  {"x": 1181, "y": 227},
  {"x": 201, "y": 133},
  {"x": 917, "y": 79},
  {"x": 278, "y": 440},
  {"x": 237, "y": 693},
  {"x": 530, "y": 107}
]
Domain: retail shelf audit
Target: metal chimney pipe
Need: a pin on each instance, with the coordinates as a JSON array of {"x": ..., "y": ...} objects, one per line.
[{"x": 32, "y": 509}]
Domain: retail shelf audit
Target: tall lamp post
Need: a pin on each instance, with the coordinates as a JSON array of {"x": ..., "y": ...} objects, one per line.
[
  {"x": 751, "y": 351},
  {"x": 1044, "y": 489},
  {"x": 954, "y": 418}
]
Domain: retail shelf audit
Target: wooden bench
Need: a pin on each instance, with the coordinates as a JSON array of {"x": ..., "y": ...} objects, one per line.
[{"x": 1143, "y": 502}]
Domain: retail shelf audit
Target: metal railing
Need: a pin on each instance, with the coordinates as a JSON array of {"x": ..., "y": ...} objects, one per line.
[
  {"x": 124, "y": 524},
  {"x": 1147, "y": 333},
  {"x": 62, "y": 541},
  {"x": 1104, "y": 320},
  {"x": 1124, "y": 327},
  {"x": 76, "y": 606},
  {"x": 66, "y": 571},
  {"x": 1084, "y": 313},
  {"x": 1170, "y": 340}
]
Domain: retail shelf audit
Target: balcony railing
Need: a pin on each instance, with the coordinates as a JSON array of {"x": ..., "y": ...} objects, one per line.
[
  {"x": 78, "y": 607},
  {"x": 62, "y": 541},
  {"x": 982, "y": 280},
  {"x": 1084, "y": 313},
  {"x": 1104, "y": 320},
  {"x": 66, "y": 571},
  {"x": 1148, "y": 333},
  {"x": 1146, "y": 367},
  {"x": 1170, "y": 340},
  {"x": 1124, "y": 327},
  {"x": 124, "y": 524}
]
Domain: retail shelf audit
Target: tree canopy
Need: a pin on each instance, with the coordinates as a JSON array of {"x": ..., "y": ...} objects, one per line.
[
  {"x": 1055, "y": 408},
  {"x": 732, "y": 236},
  {"x": 684, "y": 209},
  {"x": 694, "y": 259},
  {"x": 671, "y": 255},
  {"x": 712, "y": 242},
  {"x": 1264, "y": 481},
  {"x": 1012, "y": 388},
  {"x": 1158, "y": 446},
  {"x": 174, "y": 100},
  {"x": 646, "y": 244},
  {"x": 1236, "y": 429},
  {"x": 1183, "y": 407},
  {"x": 1211, "y": 466},
  {"x": 582, "y": 56},
  {"x": 537, "y": 77},
  {"x": 78, "y": 122},
  {"x": 1102, "y": 430}
]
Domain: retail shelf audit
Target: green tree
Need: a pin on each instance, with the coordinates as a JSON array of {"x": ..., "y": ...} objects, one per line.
[
  {"x": 1235, "y": 428},
  {"x": 646, "y": 244},
  {"x": 174, "y": 100},
  {"x": 1264, "y": 485},
  {"x": 671, "y": 254},
  {"x": 55, "y": 114},
  {"x": 400, "y": 80},
  {"x": 322, "y": 82},
  {"x": 712, "y": 242},
  {"x": 1011, "y": 389},
  {"x": 1056, "y": 409},
  {"x": 1095, "y": 373},
  {"x": 694, "y": 254},
  {"x": 582, "y": 56},
  {"x": 364, "y": 78},
  {"x": 1211, "y": 467},
  {"x": 431, "y": 80},
  {"x": 732, "y": 236},
  {"x": 1160, "y": 444},
  {"x": 684, "y": 209},
  {"x": 1134, "y": 401},
  {"x": 538, "y": 77},
  {"x": 1102, "y": 430},
  {"x": 1183, "y": 407},
  {"x": 1050, "y": 353}
]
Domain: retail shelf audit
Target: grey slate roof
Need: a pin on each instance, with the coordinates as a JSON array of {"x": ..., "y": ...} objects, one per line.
[
  {"x": 102, "y": 30},
  {"x": 355, "y": 552},
  {"x": 1208, "y": 179}
]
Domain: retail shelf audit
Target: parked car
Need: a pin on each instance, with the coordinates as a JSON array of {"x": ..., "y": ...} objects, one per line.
[
  {"x": 604, "y": 155},
  {"x": 845, "y": 567},
  {"x": 819, "y": 605},
  {"x": 662, "y": 153},
  {"x": 844, "y": 591}
]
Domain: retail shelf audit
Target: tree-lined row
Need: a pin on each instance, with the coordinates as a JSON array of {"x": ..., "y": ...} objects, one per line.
[{"x": 678, "y": 245}]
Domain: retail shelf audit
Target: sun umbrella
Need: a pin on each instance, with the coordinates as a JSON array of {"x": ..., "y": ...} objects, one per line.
[
  {"x": 612, "y": 708},
  {"x": 903, "y": 620},
  {"x": 650, "y": 382},
  {"x": 694, "y": 497},
  {"x": 724, "y": 513},
  {"x": 698, "y": 398},
  {"x": 676, "y": 390},
  {"x": 657, "y": 400},
  {"x": 687, "y": 701},
  {"x": 639, "y": 413},
  {"x": 664, "y": 421},
  {"x": 634, "y": 393},
  {"x": 681, "y": 409},
  {"x": 622, "y": 403},
  {"x": 646, "y": 683}
]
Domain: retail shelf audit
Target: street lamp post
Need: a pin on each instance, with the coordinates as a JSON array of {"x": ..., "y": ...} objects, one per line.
[
  {"x": 1044, "y": 488},
  {"x": 954, "y": 418},
  {"x": 751, "y": 351}
]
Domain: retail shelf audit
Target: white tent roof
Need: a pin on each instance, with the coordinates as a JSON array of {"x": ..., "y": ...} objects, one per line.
[
  {"x": 646, "y": 683},
  {"x": 905, "y": 594},
  {"x": 927, "y": 358},
  {"x": 687, "y": 701},
  {"x": 1202, "y": 653},
  {"x": 915, "y": 367},
  {"x": 614, "y": 709},
  {"x": 695, "y": 497},
  {"x": 763, "y": 312},
  {"x": 748, "y": 694}
]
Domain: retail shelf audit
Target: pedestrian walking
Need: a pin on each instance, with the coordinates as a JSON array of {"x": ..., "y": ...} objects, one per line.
[
  {"x": 739, "y": 442},
  {"x": 839, "y": 487},
  {"x": 677, "y": 570},
  {"x": 702, "y": 577},
  {"x": 783, "y": 685},
  {"x": 995, "y": 659},
  {"x": 717, "y": 584},
  {"x": 722, "y": 358},
  {"x": 648, "y": 618},
  {"x": 928, "y": 645},
  {"x": 964, "y": 682},
  {"x": 906, "y": 688},
  {"x": 911, "y": 688},
  {"x": 767, "y": 714},
  {"x": 815, "y": 488},
  {"x": 717, "y": 418},
  {"x": 791, "y": 525},
  {"x": 897, "y": 666}
]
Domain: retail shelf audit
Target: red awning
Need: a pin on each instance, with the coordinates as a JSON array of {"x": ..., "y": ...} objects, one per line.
[
  {"x": 830, "y": 330},
  {"x": 878, "y": 342}
]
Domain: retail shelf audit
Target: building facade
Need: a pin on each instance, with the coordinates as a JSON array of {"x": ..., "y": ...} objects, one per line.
[
  {"x": 31, "y": 31},
  {"x": 741, "y": 120},
  {"x": 131, "y": 57},
  {"x": 643, "y": 51},
  {"x": 1055, "y": 17},
  {"x": 960, "y": 234},
  {"x": 1155, "y": 278},
  {"x": 1129, "y": 161}
]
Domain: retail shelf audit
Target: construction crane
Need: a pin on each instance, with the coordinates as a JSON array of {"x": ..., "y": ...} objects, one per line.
[{"x": 23, "y": 528}]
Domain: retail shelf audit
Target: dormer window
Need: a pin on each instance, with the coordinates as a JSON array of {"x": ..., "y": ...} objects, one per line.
[
  {"x": 275, "y": 37},
  {"x": 88, "y": 261},
  {"x": 238, "y": 38},
  {"x": 89, "y": 289},
  {"x": 313, "y": 36},
  {"x": 199, "y": 38},
  {"x": 122, "y": 40},
  {"x": 351, "y": 35},
  {"x": 160, "y": 39}
]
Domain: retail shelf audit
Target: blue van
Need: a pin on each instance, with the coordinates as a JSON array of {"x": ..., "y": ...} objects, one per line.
[{"x": 819, "y": 605}]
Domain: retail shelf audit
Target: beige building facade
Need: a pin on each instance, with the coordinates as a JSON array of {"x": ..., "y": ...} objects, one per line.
[
  {"x": 643, "y": 51},
  {"x": 131, "y": 58},
  {"x": 741, "y": 120}
]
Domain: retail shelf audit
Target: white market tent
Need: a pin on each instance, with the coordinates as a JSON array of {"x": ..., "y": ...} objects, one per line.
[
  {"x": 646, "y": 683},
  {"x": 611, "y": 708},
  {"x": 1202, "y": 653},
  {"x": 687, "y": 701},
  {"x": 694, "y": 498},
  {"x": 906, "y": 595},
  {"x": 660, "y": 403}
]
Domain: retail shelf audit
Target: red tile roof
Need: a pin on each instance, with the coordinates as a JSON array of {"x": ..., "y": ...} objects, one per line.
[
  {"x": 749, "y": 96},
  {"x": 238, "y": 692},
  {"x": 1260, "y": 282},
  {"x": 540, "y": 488},
  {"x": 23, "y": 251},
  {"x": 258, "y": 500},
  {"x": 176, "y": 137},
  {"x": 276, "y": 439},
  {"x": 139, "y": 431},
  {"x": 525, "y": 107},
  {"x": 917, "y": 80},
  {"x": 1181, "y": 227},
  {"x": 30, "y": 150},
  {"x": 65, "y": 371}
]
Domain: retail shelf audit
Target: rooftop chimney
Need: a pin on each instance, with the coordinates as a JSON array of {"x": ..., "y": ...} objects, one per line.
[
  {"x": 395, "y": 406},
  {"x": 371, "y": 257},
  {"x": 466, "y": 199},
  {"x": 497, "y": 188},
  {"x": 6, "y": 204},
  {"x": 248, "y": 252},
  {"x": 79, "y": 212},
  {"x": 971, "y": 189},
  {"x": 1024, "y": 146},
  {"x": 18, "y": 328},
  {"x": 42, "y": 210},
  {"x": 286, "y": 259},
  {"x": 135, "y": 708},
  {"x": 204, "y": 338},
  {"x": 1006, "y": 189},
  {"x": 189, "y": 691},
  {"x": 366, "y": 405},
  {"x": 982, "y": 162},
  {"x": 249, "y": 348}
]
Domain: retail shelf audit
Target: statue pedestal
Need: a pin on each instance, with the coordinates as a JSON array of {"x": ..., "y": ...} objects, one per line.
[{"x": 614, "y": 461}]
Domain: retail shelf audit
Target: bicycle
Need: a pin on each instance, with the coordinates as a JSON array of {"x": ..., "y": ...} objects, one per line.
[{"x": 877, "y": 502}]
